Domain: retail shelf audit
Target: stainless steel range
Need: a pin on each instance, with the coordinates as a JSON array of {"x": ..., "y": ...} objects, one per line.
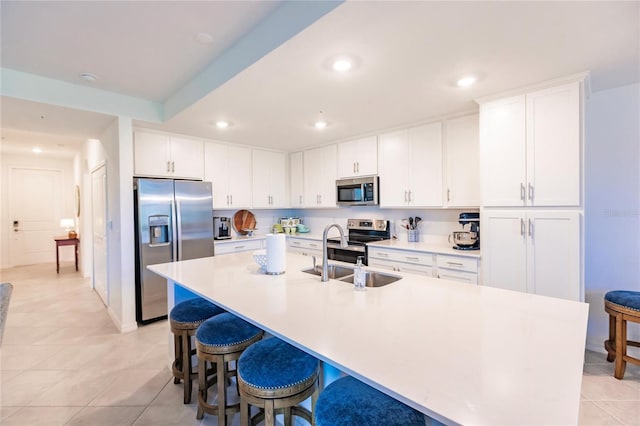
[{"x": 361, "y": 232}]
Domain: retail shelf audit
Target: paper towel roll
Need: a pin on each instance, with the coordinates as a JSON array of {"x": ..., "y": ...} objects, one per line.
[{"x": 276, "y": 254}]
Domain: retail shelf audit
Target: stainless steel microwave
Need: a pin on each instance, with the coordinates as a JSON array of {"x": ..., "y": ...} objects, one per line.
[{"x": 362, "y": 191}]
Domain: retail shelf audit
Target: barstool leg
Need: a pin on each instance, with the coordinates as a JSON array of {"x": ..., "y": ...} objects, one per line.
[
  {"x": 269, "y": 413},
  {"x": 612, "y": 338},
  {"x": 244, "y": 411},
  {"x": 621, "y": 347},
  {"x": 202, "y": 386},
  {"x": 222, "y": 392},
  {"x": 186, "y": 367},
  {"x": 177, "y": 363}
]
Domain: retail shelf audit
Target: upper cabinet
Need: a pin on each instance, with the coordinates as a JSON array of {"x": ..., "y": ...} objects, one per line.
[
  {"x": 163, "y": 155},
  {"x": 530, "y": 149},
  {"x": 358, "y": 157},
  {"x": 269, "y": 179},
  {"x": 228, "y": 168},
  {"x": 296, "y": 179},
  {"x": 320, "y": 177},
  {"x": 462, "y": 162},
  {"x": 410, "y": 167}
]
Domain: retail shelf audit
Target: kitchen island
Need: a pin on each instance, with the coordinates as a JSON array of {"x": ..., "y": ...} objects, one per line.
[{"x": 460, "y": 353}]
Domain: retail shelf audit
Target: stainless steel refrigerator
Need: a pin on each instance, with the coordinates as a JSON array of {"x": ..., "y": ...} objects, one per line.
[{"x": 173, "y": 221}]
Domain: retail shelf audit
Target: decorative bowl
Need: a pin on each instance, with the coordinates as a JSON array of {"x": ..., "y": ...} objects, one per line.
[{"x": 260, "y": 257}]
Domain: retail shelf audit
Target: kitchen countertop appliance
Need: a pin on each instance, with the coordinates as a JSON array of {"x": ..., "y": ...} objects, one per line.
[
  {"x": 362, "y": 191},
  {"x": 221, "y": 228},
  {"x": 360, "y": 232},
  {"x": 172, "y": 222},
  {"x": 467, "y": 240}
]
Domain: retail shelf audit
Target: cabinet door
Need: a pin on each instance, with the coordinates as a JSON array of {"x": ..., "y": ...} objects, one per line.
[
  {"x": 312, "y": 174},
  {"x": 462, "y": 162},
  {"x": 328, "y": 176},
  {"x": 296, "y": 179},
  {"x": 151, "y": 154},
  {"x": 367, "y": 156},
  {"x": 425, "y": 165},
  {"x": 504, "y": 249},
  {"x": 278, "y": 179},
  {"x": 261, "y": 178},
  {"x": 216, "y": 171},
  {"x": 502, "y": 152},
  {"x": 240, "y": 183},
  {"x": 347, "y": 158},
  {"x": 187, "y": 158},
  {"x": 394, "y": 169},
  {"x": 553, "y": 146},
  {"x": 553, "y": 254}
]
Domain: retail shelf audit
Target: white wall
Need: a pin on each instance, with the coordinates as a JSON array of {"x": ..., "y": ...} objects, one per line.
[
  {"x": 612, "y": 203},
  {"x": 66, "y": 202}
]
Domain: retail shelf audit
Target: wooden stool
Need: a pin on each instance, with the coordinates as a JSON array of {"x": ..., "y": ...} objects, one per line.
[
  {"x": 622, "y": 306},
  {"x": 348, "y": 401},
  {"x": 219, "y": 340},
  {"x": 184, "y": 319},
  {"x": 274, "y": 375}
]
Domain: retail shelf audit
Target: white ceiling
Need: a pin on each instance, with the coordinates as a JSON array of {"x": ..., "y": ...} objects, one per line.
[{"x": 409, "y": 54}]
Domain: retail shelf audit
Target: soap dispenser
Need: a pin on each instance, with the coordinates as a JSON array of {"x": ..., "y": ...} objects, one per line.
[{"x": 359, "y": 276}]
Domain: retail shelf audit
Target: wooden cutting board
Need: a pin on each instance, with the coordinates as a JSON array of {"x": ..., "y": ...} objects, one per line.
[{"x": 243, "y": 219}]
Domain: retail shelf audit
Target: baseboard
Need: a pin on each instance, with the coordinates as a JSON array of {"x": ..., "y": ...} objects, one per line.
[
  {"x": 596, "y": 344},
  {"x": 123, "y": 328}
]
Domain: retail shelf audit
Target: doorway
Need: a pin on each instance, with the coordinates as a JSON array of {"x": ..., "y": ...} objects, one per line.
[
  {"x": 99, "y": 231},
  {"x": 35, "y": 206}
]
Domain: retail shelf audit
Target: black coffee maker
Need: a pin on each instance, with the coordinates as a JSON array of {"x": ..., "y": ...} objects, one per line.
[{"x": 467, "y": 240}]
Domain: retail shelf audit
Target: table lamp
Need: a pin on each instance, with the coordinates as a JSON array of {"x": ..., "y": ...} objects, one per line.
[{"x": 69, "y": 224}]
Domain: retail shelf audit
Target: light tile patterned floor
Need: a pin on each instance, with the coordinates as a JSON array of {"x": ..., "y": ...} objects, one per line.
[{"x": 64, "y": 363}]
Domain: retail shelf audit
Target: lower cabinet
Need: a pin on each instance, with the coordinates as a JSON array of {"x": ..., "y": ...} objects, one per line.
[
  {"x": 236, "y": 246},
  {"x": 533, "y": 251},
  {"x": 305, "y": 246},
  {"x": 457, "y": 268},
  {"x": 401, "y": 260}
]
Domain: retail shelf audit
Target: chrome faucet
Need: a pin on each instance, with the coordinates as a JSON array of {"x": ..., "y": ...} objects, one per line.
[{"x": 325, "y": 261}]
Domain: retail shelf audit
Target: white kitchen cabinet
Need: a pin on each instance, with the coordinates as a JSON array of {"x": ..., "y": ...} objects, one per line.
[
  {"x": 461, "y": 142},
  {"x": 457, "y": 268},
  {"x": 530, "y": 148},
  {"x": 296, "y": 179},
  {"x": 320, "y": 177},
  {"x": 269, "y": 179},
  {"x": 228, "y": 168},
  {"x": 237, "y": 246},
  {"x": 533, "y": 251},
  {"x": 163, "y": 155},
  {"x": 401, "y": 260},
  {"x": 305, "y": 247},
  {"x": 358, "y": 157},
  {"x": 410, "y": 167}
]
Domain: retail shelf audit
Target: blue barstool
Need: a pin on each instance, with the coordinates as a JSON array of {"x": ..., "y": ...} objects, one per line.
[
  {"x": 219, "y": 340},
  {"x": 622, "y": 306},
  {"x": 184, "y": 318},
  {"x": 349, "y": 402},
  {"x": 274, "y": 376}
]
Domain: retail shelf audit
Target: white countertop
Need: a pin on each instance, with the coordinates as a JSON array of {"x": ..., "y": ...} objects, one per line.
[
  {"x": 425, "y": 247},
  {"x": 462, "y": 353}
]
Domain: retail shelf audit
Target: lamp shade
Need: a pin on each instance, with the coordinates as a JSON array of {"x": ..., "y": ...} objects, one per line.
[{"x": 67, "y": 223}]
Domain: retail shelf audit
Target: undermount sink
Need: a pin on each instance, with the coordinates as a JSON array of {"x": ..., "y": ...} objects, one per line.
[
  {"x": 375, "y": 279},
  {"x": 335, "y": 271}
]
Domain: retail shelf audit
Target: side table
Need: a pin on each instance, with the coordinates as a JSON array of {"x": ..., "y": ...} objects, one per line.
[{"x": 65, "y": 241}]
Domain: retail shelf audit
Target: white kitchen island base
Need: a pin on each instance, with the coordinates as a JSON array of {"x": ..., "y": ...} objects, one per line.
[{"x": 459, "y": 353}]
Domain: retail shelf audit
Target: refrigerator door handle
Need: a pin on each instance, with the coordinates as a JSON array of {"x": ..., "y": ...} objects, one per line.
[
  {"x": 178, "y": 216},
  {"x": 174, "y": 233}
]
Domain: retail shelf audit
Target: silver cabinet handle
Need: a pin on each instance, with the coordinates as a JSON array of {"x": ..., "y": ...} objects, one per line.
[
  {"x": 409, "y": 195},
  {"x": 295, "y": 243},
  {"x": 530, "y": 192},
  {"x": 168, "y": 166},
  {"x": 405, "y": 196},
  {"x": 231, "y": 198},
  {"x": 522, "y": 191},
  {"x": 173, "y": 166},
  {"x": 320, "y": 198},
  {"x": 354, "y": 167},
  {"x": 358, "y": 166},
  {"x": 412, "y": 258},
  {"x": 454, "y": 277},
  {"x": 530, "y": 227},
  {"x": 521, "y": 226},
  {"x": 300, "y": 199},
  {"x": 227, "y": 199},
  {"x": 383, "y": 254},
  {"x": 313, "y": 245},
  {"x": 455, "y": 264},
  {"x": 238, "y": 247},
  {"x": 448, "y": 195}
]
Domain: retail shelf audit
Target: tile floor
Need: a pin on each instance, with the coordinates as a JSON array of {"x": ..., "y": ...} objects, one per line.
[{"x": 63, "y": 362}]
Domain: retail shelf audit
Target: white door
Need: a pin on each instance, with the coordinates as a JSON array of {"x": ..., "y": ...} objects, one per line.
[
  {"x": 261, "y": 178},
  {"x": 394, "y": 169},
  {"x": 151, "y": 154},
  {"x": 240, "y": 182},
  {"x": 35, "y": 209},
  {"x": 216, "y": 171},
  {"x": 425, "y": 165},
  {"x": 328, "y": 174},
  {"x": 296, "y": 179},
  {"x": 504, "y": 249},
  {"x": 463, "y": 188},
  {"x": 553, "y": 253},
  {"x": 312, "y": 175},
  {"x": 186, "y": 158},
  {"x": 99, "y": 231}
]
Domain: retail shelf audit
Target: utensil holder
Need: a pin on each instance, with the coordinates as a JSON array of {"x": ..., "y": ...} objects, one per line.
[{"x": 412, "y": 235}]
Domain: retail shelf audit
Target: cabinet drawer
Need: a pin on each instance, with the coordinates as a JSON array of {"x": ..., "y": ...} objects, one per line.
[
  {"x": 308, "y": 244},
  {"x": 425, "y": 259},
  {"x": 461, "y": 276},
  {"x": 237, "y": 246},
  {"x": 467, "y": 264},
  {"x": 401, "y": 267}
]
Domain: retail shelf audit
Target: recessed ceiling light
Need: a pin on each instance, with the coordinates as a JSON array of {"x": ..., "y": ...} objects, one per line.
[
  {"x": 342, "y": 65},
  {"x": 466, "y": 81},
  {"x": 36, "y": 150},
  {"x": 204, "y": 38},
  {"x": 222, "y": 124},
  {"x": 88, "y": 77},
  {"x": 320, "y": 124}
]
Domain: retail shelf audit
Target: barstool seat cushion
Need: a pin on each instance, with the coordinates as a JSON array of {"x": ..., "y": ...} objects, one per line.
[
  {"x": 224, "y": 331},
  {"x": 273, "y": 364},
  {"x": 194, "y": 311},
  {"x": 348, "y": 401},
  {"x": 626, "y": 298}
]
